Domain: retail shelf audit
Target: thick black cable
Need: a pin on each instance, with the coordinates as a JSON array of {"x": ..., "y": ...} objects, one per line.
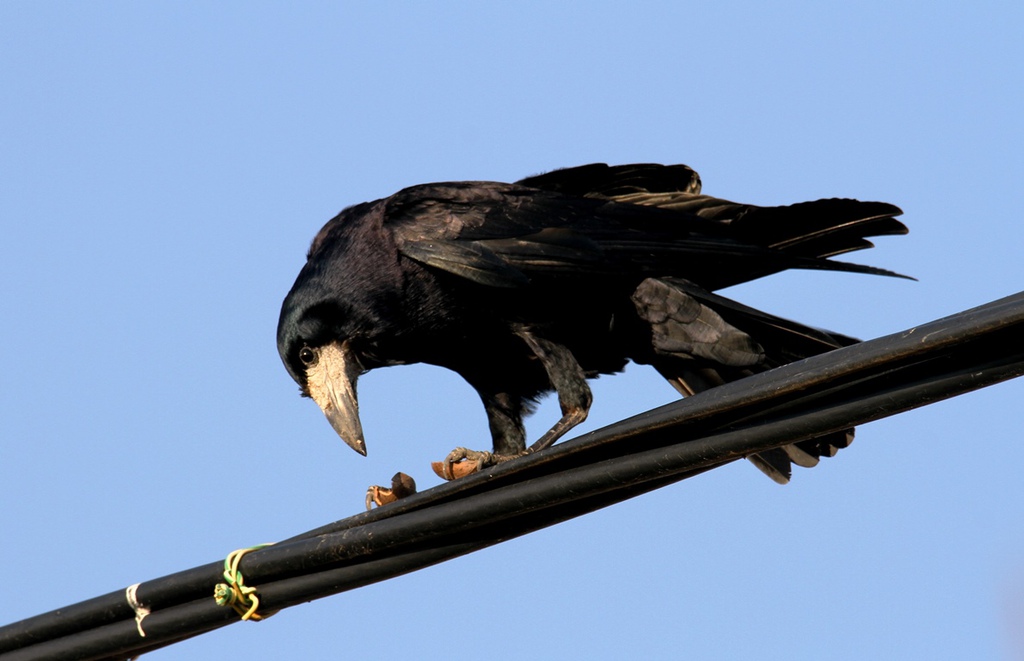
[{"x": 826, "y": 393}]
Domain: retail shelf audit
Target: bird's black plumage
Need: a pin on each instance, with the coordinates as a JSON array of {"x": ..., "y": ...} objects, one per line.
[{"x": 536, "y": 286}]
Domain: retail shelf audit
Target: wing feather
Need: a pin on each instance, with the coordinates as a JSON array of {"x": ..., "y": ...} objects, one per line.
[
  {"x": 468, "y": 259},
  {"x": 631, "y": 221}
]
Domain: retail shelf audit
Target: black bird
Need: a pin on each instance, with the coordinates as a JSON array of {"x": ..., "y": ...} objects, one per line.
[{"x": 536, "y": 286}]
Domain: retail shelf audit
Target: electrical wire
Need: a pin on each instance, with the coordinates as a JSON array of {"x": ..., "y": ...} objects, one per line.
[{"x": 802, "y": 400}]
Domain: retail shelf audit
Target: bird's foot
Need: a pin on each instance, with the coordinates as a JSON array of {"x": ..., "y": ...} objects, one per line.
[
  {"x": 461, "y": 462},
  {"x": 401, "y": 486}
]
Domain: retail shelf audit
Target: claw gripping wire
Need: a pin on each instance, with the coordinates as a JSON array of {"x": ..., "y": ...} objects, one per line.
[{"x": 234, "y": 592}]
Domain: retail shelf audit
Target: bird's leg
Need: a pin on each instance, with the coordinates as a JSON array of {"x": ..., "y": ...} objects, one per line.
[
  {"x": 568, "y": 380},
  {"x": 504, "y": 412}
]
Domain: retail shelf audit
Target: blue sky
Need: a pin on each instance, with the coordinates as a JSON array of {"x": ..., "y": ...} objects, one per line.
[{"x": 163, "y": 167}]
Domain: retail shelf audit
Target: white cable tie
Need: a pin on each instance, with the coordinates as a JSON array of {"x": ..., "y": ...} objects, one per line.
[{"x": 140, "y": 611}]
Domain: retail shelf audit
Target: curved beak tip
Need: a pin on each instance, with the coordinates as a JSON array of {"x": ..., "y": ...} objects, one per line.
[{"x": 348, "y": 428}]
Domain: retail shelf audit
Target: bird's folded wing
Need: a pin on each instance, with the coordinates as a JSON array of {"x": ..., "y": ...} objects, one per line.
[{"x": 485, "y": 231}]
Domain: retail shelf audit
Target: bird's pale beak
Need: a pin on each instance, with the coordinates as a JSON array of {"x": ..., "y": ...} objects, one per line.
[{"x": 331, "y": 382}]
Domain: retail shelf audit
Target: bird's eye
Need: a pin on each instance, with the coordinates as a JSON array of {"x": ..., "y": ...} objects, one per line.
[{"x": 307, "y": 356}]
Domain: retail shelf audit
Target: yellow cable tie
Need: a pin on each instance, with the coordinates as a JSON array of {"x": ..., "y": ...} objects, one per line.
[{"x": 234, "y": 592}]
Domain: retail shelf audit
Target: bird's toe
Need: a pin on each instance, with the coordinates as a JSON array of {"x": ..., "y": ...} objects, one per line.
[{"x": 461, "y": 462}]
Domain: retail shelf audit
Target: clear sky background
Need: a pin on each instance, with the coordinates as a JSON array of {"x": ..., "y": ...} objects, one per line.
[{"x": 163, "y": 167}]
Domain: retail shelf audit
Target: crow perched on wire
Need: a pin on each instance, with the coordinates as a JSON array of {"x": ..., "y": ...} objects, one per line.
[{"x": 539, "y": 285}]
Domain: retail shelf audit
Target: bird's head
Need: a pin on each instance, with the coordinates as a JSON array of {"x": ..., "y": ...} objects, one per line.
[
  {"x": 325, "y": 365},
  {"x": 326, "y": 368},
  {"x": 339, "y": 320}
]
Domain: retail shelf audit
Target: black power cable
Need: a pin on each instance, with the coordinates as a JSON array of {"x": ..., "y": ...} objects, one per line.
[{"x": 825, "y": 393}]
